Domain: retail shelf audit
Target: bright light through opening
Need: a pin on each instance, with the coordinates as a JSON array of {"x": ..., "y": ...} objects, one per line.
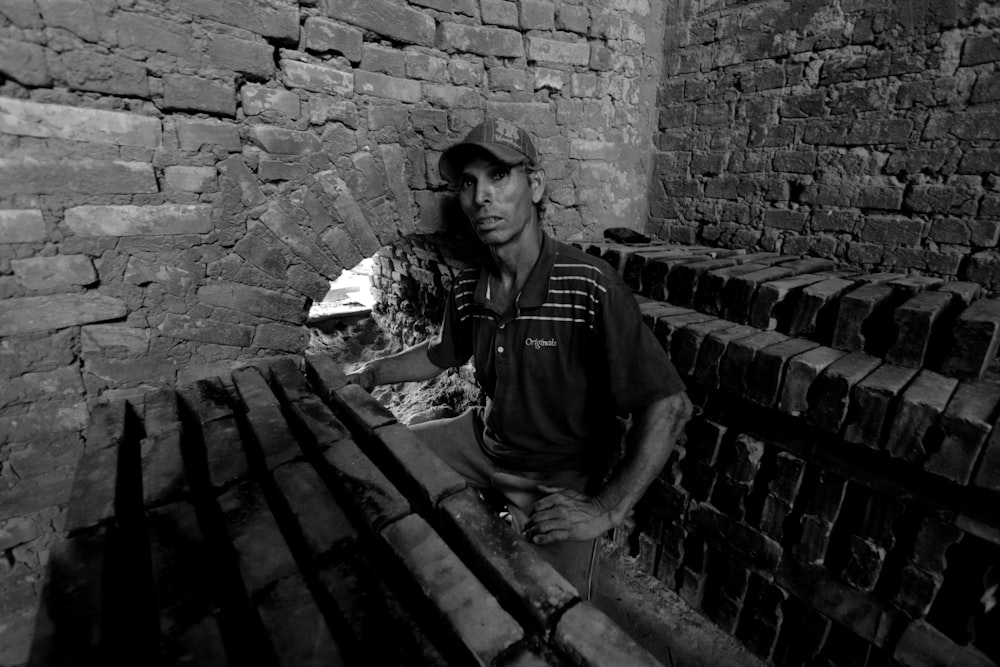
[{"x": 350, "y": 294}]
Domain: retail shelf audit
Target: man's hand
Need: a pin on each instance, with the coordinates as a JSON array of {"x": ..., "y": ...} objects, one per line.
[
  {"x": 364, "y": 377},
  {"x": 565, "y": 514}
]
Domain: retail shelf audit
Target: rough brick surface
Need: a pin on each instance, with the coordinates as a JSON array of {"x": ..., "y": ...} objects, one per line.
[
  {"x": 920, "y": 406},
  {"x": 976, "y": 338},
  {"x": 473, "y": 615},
  {"x": 873, "y": 401},
  {"x": 589, "y": 636}
]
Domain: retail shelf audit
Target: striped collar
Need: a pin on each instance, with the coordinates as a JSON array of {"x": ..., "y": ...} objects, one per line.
[{"x": 536, "y": 289}]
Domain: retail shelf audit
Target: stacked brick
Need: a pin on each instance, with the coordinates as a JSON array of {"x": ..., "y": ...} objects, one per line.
[
  {"x": 841, "y": 131},
  {"x": 180, "y": 180},
  {"x": 833, "y": 500},
  {"x": 268, "y": 519}
]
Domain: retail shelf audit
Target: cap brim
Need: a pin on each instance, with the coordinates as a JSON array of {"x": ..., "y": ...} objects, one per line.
[{"x": 453, "y": 159}]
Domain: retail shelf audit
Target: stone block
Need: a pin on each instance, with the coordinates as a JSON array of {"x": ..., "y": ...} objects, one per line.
[
  {"x": 667, "y": 325},
  {"x": 22, "y": 225},
  {"x": 303, "y": 243},
  {"x": 255, "y": 301},
  {"x": 58, "y": 271},
  {"x": 261, "y": 553},
  {"x": 965, "y": 425},
  {"x": 371, "y": 493},
  {"x": 988, "y": 474},
  {"x": 24, "y": 62},
  {"x": 279, "y": 20},
  {"x": 419, "y": 468},
  {"x": 654, "y": 270},
  {"x": 324, "y": 525},
  {"x": 322, "y": 34},
  {"x": 350, "y": 212},
  {"x": 206, "y": 331},
  {"x": 399, "y": 23},
  {"x": 542, "y": 49},
  {"x": 766, "y": 372},
  {"x": 864, "y": 565},
  {"x": 281, "y": 337},
  {"x": 361, "y": 409},
  {"x": 318, "y": 78},
  {"x": 43, "y": 313},
  {"x": 774, "y": 304},
  {"x": 976, "y": 337},
  {"x": 224, "y": 459},
  {"x": 195, "y": 134},
  {"x": 873, "y": 400},
  {"x": 712, "y": 351},
  {"x": 686, "y": 342},
  {"x": 127, "y": 220},
  {"x": 923, "y": 645},
  {"x": 816, "y": 308},
  {"x": 858, "y": 315},
  {"x": 295, "y": 625},
  {"x": 483, "y": 41},
  {"x": 99, "y": 73},
  {"x": 500, "y": 12},
  {"x": 43, "y": 176},
  {"x": 280, "y": 141},
  {"x": 738, "y": 357},
  {"x": 163, "y": 476},
  {"x": 473, "y": 616},
  {"x": 800, "y": 374},
  {"x": 917, "y": 590},
  {"x": 919, "y": 409},
  {"x": 265, "y": 418},
  {"x": 388, "y": 87},
  {"x": 593, "y": 639},
  {"x": 92, "y": 500},
  {"x": 255, "y": 59},
  {"x": 933, "y": 540},
  {"x": 522, "y": 578},
  {"x": 58, "y": 121},
  {"x": 829, "y": 396},
  {"x": 191, "y": 93},
  {"x": 755, "y": 548},
  {"x": 325, "y": 375},
  {"x": 191, "y": 179},
  {"x": 915, "y": 321},
  {"x": 682, "y": 281}
]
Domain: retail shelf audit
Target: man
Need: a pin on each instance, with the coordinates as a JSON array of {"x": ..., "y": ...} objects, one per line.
[{"x": 561, "y": 352}]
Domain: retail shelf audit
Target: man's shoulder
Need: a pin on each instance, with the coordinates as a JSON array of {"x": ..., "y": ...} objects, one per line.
[{"x": 572, "y": 260}]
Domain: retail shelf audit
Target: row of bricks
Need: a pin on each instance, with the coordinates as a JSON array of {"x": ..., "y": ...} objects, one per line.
[
  {"x": 919, "y": 416},
  {"x": 911, "y": 321},
  {"x": 527, "y": 583},
  {"x": 523, "y": 580},
  {"x": 725, "y": 470}
]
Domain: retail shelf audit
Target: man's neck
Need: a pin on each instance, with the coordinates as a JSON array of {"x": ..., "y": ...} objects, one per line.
[{"x": 514, "y": 260}]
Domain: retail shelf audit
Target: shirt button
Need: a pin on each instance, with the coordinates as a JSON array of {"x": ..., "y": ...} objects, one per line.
[
  {"x": 500, "y": 349},
  {"x": 502, "y": 326}
]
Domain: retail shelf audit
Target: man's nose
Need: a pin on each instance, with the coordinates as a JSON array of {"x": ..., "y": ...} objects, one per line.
[{"x": 484, "y": 192}]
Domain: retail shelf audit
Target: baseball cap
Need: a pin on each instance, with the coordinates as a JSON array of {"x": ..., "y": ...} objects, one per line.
[{"x": 502, "y": 139}]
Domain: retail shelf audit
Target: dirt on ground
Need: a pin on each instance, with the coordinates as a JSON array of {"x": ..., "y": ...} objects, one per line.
[{"x": 351, "y": 344}]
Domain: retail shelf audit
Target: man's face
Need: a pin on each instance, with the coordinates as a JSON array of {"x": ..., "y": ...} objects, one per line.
[{"x": 498, "y": 200}]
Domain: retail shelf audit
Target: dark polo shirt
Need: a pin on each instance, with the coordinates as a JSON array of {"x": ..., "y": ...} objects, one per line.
[{"x": 565, "y": 359}]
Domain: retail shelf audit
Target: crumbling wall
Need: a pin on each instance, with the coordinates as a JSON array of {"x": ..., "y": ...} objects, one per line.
[
  {"x": 864, "y": 130},
  {"x": 179, "y": 180}
]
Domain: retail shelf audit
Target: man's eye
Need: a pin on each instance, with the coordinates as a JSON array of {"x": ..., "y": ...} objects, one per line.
[
  {"x": 466, "y": 183},
  {"x": 501, "y": 174}
]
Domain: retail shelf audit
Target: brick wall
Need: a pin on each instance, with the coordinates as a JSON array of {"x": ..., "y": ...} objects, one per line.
[
  {"x": 835, "y": 503},
  {"x": 179, "y": 180},
  {"x": 861, "y": 130}
]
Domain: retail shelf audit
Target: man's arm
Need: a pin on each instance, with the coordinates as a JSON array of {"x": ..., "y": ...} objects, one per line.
[
  {"x": 410, "y": 365},
  {"x": 568, "y": 515}
]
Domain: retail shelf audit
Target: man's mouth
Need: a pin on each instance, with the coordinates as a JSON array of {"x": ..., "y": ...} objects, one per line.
[{"x": 487, "y": 220}]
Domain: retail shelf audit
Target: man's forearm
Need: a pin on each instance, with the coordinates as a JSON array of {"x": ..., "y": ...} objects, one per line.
[
  {"x": 655, "y": 434},
  {"x": 410, "y": 365}
]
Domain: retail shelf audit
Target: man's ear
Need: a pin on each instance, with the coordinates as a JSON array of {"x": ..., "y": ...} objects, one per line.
[{"x": 537, "y": 180}]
